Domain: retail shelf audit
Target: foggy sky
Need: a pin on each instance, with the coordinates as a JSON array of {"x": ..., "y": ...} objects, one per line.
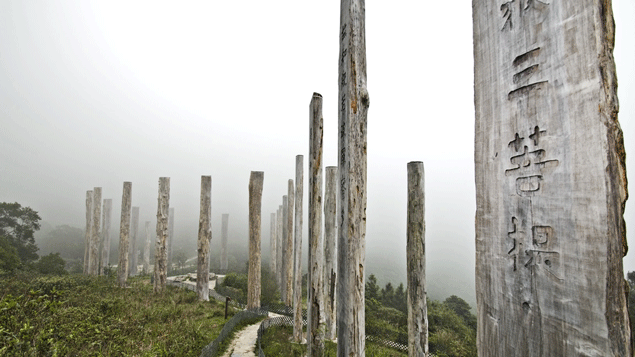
[{"x": 97, "y": 93}]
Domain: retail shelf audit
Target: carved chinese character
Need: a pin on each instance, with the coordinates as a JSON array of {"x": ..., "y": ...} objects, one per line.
[
  {"x": 530, "y": 166},
  {"x": 518, "y": 8}
]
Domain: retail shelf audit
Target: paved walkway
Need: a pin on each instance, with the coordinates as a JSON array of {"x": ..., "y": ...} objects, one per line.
[
  {"x": 212, "y": 283},
  {"x": 244, "y": 342}
]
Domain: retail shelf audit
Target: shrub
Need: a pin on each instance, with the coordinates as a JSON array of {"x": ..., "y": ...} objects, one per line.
[{"x": 51, "y": 264}]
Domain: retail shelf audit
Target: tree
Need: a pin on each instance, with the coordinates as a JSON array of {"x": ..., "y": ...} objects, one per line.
[
  {"x": 388, "y": 295},
  {"x": 9, "y": 259},
  {"x": 400, "y": 301},
  {"x": 461, "y": 308},
  {"x": 372, "y": 289},
  {"x": 269, "y": 289},
  {"x": 51, "y": 264},
  {"x": 18, "y": 224},
  {"x": 449, "y": 334}
]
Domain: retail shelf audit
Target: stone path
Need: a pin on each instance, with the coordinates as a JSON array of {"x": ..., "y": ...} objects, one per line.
[{"x": 244, "y": 342}]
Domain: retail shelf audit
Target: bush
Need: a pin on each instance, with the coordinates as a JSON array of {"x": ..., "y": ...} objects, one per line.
[
  {"x": 9, "y": 259},
  {"x": 51, "y": 264},
  {"x": 76, "y": 315}
]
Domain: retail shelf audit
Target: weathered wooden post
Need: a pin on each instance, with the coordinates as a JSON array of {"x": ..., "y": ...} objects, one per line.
[
  {"x": 279, "y": 265},
  {"x": 89, "y": 227},
  {"x": 204, "y": 238},
  {"x": 93, "y": 253},
  {"x": 550, "y": 181},
  {"x": 330, "y": 234},
  {"x": 284, "y": 245},
  {"x": 256, "y": 181},
  {"x": 289, "y": 245},
  {"x": 297, "y": 250},
  {"x": 170, "y": 239},
  {"x": 416, "y": 262},
  {"x": 146, "y": 250},
  {"x": 134, "y": 230},
  {"x": 161, "y": 253},
  {"x": 104, "y": 261},
  {"x": 353, "y": 104},
  {"x": 223, "y": 247},
  {"x": 272, "y": 243},
  {"x": 124, "y": 234},
  {"x": 315, "y": 302}
]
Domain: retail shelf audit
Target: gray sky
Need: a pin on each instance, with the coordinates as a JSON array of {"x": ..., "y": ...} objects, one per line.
[{"x": 97, "y": 93}]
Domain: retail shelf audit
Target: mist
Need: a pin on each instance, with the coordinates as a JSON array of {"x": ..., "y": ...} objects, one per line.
[{"x": 93, "y": 94}]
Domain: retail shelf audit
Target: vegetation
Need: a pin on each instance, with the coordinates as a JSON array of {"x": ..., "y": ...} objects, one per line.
[
  {"x": 276, "y": 342},
  {"x": 51, "y": 264},
  {"x": 451, "y": 325},
  {"x": 235, "y": 286},
  {"x": 90, "y": 316},
  {"x": 17, "y": 228}
]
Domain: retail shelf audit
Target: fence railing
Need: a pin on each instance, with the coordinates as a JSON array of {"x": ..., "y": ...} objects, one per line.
[
  {"x": 286, "y": 319},
  {"x": 212, "y": 293}
]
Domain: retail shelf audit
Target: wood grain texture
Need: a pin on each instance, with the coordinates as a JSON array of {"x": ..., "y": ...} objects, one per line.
[
  {"x": 256, "y": 181},
  {"x": 124, "y": 234},
  {"x": 204, "y": 239},
  {"x": 161, "y": 253},
  {"x": 550, "y": 181},
  {"x": 146, "y": 248},
  {"x": 93, "y": 253},
  {"x": 416, "y": 262},
  {"x": 89, "y": 227},
  {"x": 330, "y": 259},
  {"x": 134, "y": 234},
  {"x": 315, "y": 299},
  {"x": 353, "y": 103},
  {"x": 297, "y": 249},
  {"x": 104, "y": 260},
  {"x": 288, "y": 256}
]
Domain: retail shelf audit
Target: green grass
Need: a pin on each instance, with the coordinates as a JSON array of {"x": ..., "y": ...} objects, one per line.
[
  {"x": 90, "y": 316},
  {"x": 276, "y": 341}
]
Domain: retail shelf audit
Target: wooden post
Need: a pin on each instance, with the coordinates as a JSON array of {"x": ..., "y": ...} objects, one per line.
[
  {"x": 279, "y": 241},
  {"x": 353, "y": 104},
  {"x": 289, "y": 245},
  {"x": 204, "y": 238},
  {"x": 550, "y": 181},
  {"x": 89, "y": 227},
  {"x": 104, "y": 261},
  {"x": 170, "y": 239},
  {"x": 124, "y": 234},
  {"x": 256, "y": 181},
  {"x": 134, "y": 230},
  {"x": 285, "y": 262},
  {"x": 146, "y": 250},
  {"x": 297, "y": 250},
  {"x": 161, "y": 253},
  {"x": 315, "y": 302},
  {"x": 330, "y": 234},
  {"x": 272, "y": 244},
  {"x": 416, "y": 261},
  {"x": 223, "y": 247},
  {"x": 93, "y": 253}
]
